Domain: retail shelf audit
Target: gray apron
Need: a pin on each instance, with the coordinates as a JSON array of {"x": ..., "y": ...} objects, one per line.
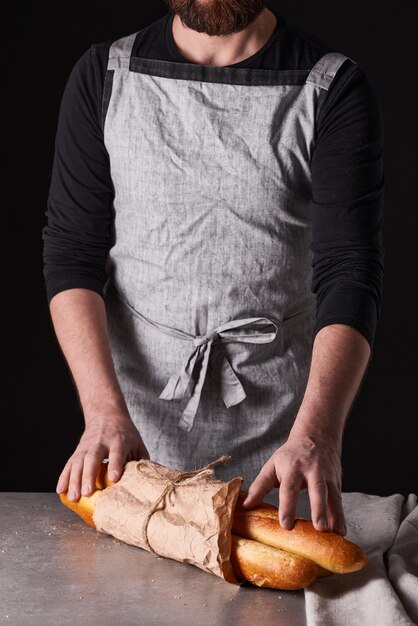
[{"x": 209, "y": 295}]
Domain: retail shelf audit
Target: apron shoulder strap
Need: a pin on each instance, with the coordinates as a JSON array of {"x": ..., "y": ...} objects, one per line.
[
  {"x": 120, "y": 52},
  {"x": 119, "y": 58},
  {"x": 323, "y": 72}
]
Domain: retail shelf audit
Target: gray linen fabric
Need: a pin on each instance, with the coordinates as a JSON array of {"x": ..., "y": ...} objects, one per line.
[
  {"x": 385, "y": 591},
  {"x": 211, "y": 170}
]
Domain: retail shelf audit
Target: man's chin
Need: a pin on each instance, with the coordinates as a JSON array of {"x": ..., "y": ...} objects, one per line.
[{"x": 216, "y": 18}]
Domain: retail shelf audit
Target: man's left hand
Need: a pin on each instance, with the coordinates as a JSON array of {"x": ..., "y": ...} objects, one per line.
[{"x": 304, "y": 462}]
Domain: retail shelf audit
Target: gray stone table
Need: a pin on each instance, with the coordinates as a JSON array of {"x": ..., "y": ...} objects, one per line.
[{"x": 57, "y": 571}]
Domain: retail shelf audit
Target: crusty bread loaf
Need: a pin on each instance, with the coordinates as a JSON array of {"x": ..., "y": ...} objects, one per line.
[
  {"x": 85, "y": 506},
  {"x": 262, "y": 552},
  {"x": 328, "y": 549},
  {"x": 265, "y": 566}
]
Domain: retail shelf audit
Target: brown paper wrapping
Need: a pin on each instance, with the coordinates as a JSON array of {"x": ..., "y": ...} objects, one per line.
[{"x": 186, "y": 516}]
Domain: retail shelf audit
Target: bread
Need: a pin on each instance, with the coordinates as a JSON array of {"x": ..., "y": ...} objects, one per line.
[
  {"x": 325, "y": 548},
  {"x": 85, "y": 506},
  {"x": 265, "y": 566},
  {"x": 261, "y": 551}
]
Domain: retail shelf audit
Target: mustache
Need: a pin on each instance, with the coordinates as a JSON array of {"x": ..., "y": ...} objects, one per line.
[{"x": 217, "y": 17}]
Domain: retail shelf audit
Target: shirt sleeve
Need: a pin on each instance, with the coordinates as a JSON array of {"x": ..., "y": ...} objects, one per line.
[
  {"x": 348, "y": 194},
  {"x": 79, "y": 207}
]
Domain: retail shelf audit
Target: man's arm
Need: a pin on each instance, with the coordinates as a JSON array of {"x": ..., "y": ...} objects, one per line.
[
  {"x": 347, "y": 197},
  {"x": 79, "y": 319},
  {"x": 77, "y": 238},
  {"x": 310, "y": 459}
]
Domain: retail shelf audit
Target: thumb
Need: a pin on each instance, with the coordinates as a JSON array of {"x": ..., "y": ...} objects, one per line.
[{"x": 260, "y": 487}]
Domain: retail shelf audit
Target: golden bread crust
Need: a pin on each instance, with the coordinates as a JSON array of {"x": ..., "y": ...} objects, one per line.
[{"x": 326, "y": 548}]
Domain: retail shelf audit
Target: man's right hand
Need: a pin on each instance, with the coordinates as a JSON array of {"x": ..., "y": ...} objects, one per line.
[{"x": 111, "y": 436}]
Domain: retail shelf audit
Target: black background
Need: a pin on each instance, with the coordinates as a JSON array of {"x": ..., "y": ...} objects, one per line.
[{"x": 41, "y": 418}]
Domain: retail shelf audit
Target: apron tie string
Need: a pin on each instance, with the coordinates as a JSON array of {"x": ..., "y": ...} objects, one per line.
[{"x": 189, "y": 380}]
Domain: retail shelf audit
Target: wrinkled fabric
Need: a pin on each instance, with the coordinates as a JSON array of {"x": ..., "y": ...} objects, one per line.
[
  {"x": 224, "y": 235},
  {"x": 385, "y": 591},
  {"x": 230, "y": 387}
]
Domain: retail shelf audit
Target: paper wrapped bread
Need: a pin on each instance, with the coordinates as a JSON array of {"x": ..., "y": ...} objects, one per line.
[{"x": 251, "y": 545}]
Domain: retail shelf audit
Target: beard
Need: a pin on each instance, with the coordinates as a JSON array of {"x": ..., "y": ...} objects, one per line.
[{"x": 216, "y": 17}]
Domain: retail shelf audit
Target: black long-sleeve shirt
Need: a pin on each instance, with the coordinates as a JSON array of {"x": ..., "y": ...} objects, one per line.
[{"x": 347, "y": 177}]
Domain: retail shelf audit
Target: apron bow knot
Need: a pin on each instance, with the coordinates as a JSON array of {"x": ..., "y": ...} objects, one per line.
[
  {"x": 200, "y": 340},
  {"x": 189, "y": 381}
]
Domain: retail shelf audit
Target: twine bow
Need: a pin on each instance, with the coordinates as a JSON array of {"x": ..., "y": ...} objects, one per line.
[{"x": 183, "y": 478}]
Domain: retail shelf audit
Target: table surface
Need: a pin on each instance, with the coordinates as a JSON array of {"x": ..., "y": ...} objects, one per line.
[{"x": 57, "y": 570}]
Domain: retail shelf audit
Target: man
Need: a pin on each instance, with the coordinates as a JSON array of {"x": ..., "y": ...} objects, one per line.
[{"x": 199, "y": 163}]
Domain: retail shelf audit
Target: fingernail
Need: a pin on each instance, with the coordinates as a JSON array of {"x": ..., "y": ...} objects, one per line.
[
  {"x": 60, "y": 488},
  {"x": 85, "y": 490},
  {"x": 342, "y": 530},
  {"x": 73, "y": 494},
  {"x": 323, "y": 523},
  {"x": 113, "y": 474},
  {"x": 286, "y": 522}
]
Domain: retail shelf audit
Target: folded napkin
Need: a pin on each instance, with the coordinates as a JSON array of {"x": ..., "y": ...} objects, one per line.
[{"x": 385, "y": 591}]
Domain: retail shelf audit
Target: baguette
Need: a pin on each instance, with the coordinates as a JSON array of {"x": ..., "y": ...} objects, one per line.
[
  {"x": 261, "y": 552},
  {"x": 325, "y": 548},
  {"x": 85, "y": 506},
  {"x": 261, "y": 565},
  {"x": 265, "y": 566}
]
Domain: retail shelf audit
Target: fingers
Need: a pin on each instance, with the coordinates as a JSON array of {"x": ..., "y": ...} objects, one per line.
[
  {"x": 118, "y": 440},
  {"x": 79, "y": 474},
  {"x": 117, "y": 459},
  {"x": 318, "y": 496},
  {"x": 288, "y": 497},
  {"x": 74, "y": 491},
  {"x": 92, "y": 462},
  {"x": 63, "y": 480},
  {"x": 336, "y": 513},
  {"x": 261, "y": 486}
]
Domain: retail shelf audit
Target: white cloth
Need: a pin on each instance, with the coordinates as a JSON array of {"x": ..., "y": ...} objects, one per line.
[{"x": 385, "y": 591}]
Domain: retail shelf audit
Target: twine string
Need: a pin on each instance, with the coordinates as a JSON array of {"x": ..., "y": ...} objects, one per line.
[{"x": 183, "y": 478}]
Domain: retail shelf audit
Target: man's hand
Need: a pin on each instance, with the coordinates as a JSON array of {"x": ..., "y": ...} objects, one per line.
[
  {"x": 80, "y": 322},
  {"x": 310, "y": 459},
  {"x": 303, "y": 462},
  {"x": 112, "y": 436}
]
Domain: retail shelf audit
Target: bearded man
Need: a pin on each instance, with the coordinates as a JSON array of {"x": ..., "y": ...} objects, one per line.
[{"x": 213, "y": 252}]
